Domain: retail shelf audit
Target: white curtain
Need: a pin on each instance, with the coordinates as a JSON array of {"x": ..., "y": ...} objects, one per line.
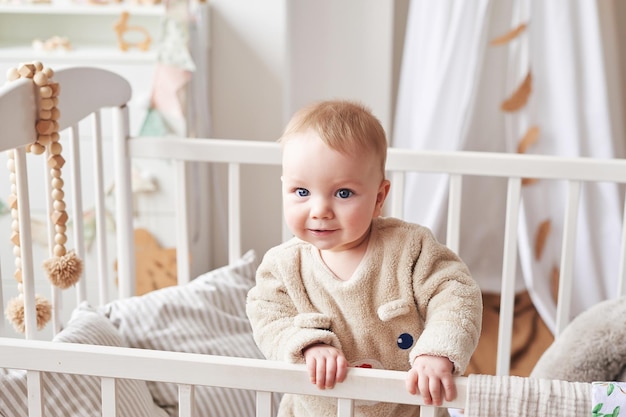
[{"x": 452, "y": 86}]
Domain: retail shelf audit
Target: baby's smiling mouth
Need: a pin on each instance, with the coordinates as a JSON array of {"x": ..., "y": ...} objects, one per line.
[{"x": 321, "y": 231}]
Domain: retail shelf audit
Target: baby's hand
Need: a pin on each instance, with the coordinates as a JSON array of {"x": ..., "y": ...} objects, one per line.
[
  {"x": 326, "y": 365},
  {"x": 431, "y": 377}
]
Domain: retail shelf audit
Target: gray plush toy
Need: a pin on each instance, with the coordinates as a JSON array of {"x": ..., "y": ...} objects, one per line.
[{"x": 591, "y": 348}]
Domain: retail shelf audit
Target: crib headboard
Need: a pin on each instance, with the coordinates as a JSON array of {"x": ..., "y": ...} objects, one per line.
[{"x": 84, "y": 92}]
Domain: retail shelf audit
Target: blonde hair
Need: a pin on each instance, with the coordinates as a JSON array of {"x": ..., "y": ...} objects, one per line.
[{"x": 345, "y": 126}]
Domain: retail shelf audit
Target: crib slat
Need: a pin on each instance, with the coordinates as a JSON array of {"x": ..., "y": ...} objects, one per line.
[
  {"x": 2, "y": 307},
  {"x": 109, "y": 397},
  {"x": 507, "y": 297},
  {"x": 454, "y": 212},
  {"x": 286, "y": 233},
  {"x": 397, "y": 193},
  {"x": 186, "y": 400},
  {"x": 100, "y": 211},
  {"x": 55, "y": 293},
  {"x": 57, "y": 305},
  {"x": 26, "y": 250},
  {"x": 234, "y": 212},
  {"x": 34, "y": 384},
  {"x": 345, "y": 407},
  {"x": 77, "y": 208},
  {"x": 123, "y": 204},
  {"x": 621, "y": 284},
  {"x": 183, "y": 250},
  {"x": 566, "y": 278},
  {"x": 264, "y": 404},
  {"x": 426, "y": 411}
]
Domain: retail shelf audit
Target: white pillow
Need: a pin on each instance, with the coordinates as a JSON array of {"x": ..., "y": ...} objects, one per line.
[
  {"x": 205, "y": 316},
  {"x": 78, "y": 395}
]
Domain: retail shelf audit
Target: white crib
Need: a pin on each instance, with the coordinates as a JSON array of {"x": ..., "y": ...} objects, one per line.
[{"x": 189, "y": 371}]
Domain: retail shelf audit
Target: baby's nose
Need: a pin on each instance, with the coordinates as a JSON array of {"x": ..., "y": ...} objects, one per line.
[{"x": 320, "y": 208}]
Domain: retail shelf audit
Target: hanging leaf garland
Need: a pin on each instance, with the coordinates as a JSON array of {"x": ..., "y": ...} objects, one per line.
[
  {"x": 516, "y": 101},
  {"x": 520, "y": 96},
  {"x": 509, "y": 36},
  {"x": 530, "y": 138},
  {"x": 543, "y": 231}
]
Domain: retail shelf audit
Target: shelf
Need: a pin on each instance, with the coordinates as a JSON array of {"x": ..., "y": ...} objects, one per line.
[
  {"x": 70, "y": 8},
  {"x": 86, "y": 27},
  {"x": 95, "y": 54}
]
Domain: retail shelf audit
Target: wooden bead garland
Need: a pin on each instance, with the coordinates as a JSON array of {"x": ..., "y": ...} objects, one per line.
[{"x": 64, "y": 267}]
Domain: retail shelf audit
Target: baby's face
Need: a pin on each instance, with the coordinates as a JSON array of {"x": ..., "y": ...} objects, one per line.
[{"x": 329, "y": 198}]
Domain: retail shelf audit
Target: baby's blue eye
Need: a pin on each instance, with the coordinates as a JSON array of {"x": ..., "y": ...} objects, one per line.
[
  {"x": 405, "y": 341},
  {"x": 302, "y": 192},
  {"x": 344, "y": 193}
]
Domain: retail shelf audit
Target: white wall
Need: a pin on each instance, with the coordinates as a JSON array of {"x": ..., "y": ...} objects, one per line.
[
  {"x": 247, "y": 67},
  {"x": 340, "y": 49},
  {"x": 247, "y": 71},
  {"x": 269, "y": 57}
]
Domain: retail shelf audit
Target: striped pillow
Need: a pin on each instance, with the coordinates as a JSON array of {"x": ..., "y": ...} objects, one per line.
[
  {"x": 205, "y": 316},
  {"x": 77, "y": 395}
]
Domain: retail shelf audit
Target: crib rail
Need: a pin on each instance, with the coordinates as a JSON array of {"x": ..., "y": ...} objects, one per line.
[
  {"x": 464, "y": 163},
  {"x": 457, "y": 165},
  {"x": 189, "y": 370}
]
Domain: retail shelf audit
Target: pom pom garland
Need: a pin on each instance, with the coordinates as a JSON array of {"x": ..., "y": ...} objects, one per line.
[
  {"x": 63, "y": 269},
  {"x": 15, "y": 312}
]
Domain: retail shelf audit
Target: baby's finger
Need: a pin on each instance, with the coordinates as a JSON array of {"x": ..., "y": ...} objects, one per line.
[
  {"x": 311, "y": 366},
  {"x": 423, "y": 385},
  {"x": 449, "y": 388},
  {"x": 435, "y": 391},
  {"x": 320, "y": 374},
  {"x": 411, "y": 382},
  {"x": 342, "y": 369},
  {"x": 331, "y": 373}
]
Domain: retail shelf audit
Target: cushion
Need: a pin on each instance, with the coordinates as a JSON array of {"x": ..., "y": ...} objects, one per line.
[
  {"x": 592, "y": 347},
  {"x": 76, "y": 395},
  {"x": 205, "y": 316}
]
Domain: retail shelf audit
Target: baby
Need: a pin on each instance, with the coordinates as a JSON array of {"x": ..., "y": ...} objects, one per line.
[{"x": 353, "y": 288}]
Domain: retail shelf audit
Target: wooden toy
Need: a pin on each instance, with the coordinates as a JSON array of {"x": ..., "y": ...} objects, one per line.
[
  {"x": 52, "y": 43},
  {"x": 121, "y": 27}
]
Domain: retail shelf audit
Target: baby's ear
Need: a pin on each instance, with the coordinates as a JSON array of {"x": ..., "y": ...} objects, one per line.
[
  {"x": 393, "y": 309},
  {"x": 383, "y": 191}
]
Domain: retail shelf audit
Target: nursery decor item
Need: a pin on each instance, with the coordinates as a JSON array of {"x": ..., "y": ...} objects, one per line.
[
  {"x": 121, "y": 26},
  {"x": 52, "y": 43},
  {"x": 156, "y": 265},
  {"x": 63, "y": 268}
]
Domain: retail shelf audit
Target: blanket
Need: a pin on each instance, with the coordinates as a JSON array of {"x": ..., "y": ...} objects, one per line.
[{"x": 504, "y": 396}]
